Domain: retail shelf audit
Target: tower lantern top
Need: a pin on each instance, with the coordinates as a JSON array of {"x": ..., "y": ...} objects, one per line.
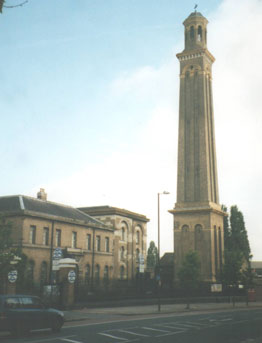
[{"x": 195, "y": 31}]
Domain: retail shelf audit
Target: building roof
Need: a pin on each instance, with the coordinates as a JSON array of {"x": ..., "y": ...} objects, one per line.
[
  {"x": 108, "y": 210},
  {"x": 256, "y": 264},
  {"x": 21, "y": 204},
  {"x": 195, "y": 14},
  {"x": 195, "y": 17},
  {"x": 167, "y": 258}
]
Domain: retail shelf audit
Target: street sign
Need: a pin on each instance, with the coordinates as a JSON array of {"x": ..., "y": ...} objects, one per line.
[
  {"x": 55, "y": 265},
  {"x": 71, "y": 276},
  {"x": 12, "y": 276},
  {"x": 57, "y": 254}
]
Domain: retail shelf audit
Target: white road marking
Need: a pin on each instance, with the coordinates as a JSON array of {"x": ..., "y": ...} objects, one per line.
[
  {"x": 226, "y": 319},
  {"x": 133, "y": 333},
  {"x": 146, "y": 328},
  {"x": 194, "y": 326},
  {"x": 174, "y": 326},
  {"x": 196, "y": 323},
  {"x": 69, "y": 340},
  {"x": 111, "y": 336},
  {"x": 171, "y": 333}
]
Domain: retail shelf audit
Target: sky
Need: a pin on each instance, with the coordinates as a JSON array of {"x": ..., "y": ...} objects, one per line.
[{"x": 89, "y": 104}]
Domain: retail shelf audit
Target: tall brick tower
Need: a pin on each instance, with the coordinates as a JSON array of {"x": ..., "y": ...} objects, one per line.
[{"x": 198, "y": 218}]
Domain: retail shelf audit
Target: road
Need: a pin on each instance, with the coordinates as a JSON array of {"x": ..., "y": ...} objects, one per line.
[{"x": 219, "y": 327}]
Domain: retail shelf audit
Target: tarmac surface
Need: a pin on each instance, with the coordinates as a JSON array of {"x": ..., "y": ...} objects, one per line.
[
  {"x": 107, "y": 314},
  {"x": 103, "y": 315},
  {"x": 93, "y": 316}
]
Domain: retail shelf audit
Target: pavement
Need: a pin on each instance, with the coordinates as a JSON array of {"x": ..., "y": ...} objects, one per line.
[{"x": 94, "y": 315}]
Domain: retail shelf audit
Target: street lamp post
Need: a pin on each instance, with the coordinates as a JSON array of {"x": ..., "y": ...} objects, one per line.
[{"x": 158, "y": 247}]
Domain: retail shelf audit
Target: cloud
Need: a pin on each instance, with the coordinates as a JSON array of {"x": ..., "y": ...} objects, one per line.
[{"x": 148, "y": 83}]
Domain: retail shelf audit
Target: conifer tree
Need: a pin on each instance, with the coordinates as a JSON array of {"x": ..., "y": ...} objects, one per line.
[
  {"x": 236, "y": 250},
  {"x": 152, "y": 255}
]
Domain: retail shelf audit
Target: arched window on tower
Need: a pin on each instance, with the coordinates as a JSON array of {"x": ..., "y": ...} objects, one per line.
[
  {"x": 198, "y": 229},
  {"x": 192, "y": 32},
  {"x": 185, "y": 228},
  {"x": 199, "y": 33}
]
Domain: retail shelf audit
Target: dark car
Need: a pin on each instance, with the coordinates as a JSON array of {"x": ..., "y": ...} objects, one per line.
[{"x": 22, "y": 313}]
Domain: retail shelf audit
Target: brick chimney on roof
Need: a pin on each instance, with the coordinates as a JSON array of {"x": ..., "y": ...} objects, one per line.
[{"x": 42, "y": 194}]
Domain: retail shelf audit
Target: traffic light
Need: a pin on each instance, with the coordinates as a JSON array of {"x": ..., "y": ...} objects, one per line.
[{"x": 1, "y": 5}]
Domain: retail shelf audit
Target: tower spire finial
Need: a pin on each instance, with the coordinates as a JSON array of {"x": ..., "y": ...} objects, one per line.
[{"x": 195, "y": 7}]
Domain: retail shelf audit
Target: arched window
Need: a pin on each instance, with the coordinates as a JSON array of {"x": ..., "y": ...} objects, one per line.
[
  {"x": 199, "y": 33},
  {"x": 123, "y": 233},
  {"x": 137, "y": 237},
  {"x": 30, "y": 270},
  {"x": 192, "y": 32},
  {"x": 185, "y": 228},
  {"x": 198, "y": 229},
  {"x": 43, "y": 273},
  {"x": 137, "y": 255},
  {"x": 122, "y": 273},
  {"x": 97, "y": 273},
  {"x": 106, "y": 273},
  {"x": 87, "y": 273},
  {"x": 122, "y": 253}
]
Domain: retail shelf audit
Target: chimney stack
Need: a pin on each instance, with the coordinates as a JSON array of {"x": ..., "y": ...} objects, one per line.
[{"x": 42, "y": 194}]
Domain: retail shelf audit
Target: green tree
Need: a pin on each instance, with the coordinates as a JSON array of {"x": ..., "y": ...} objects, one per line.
[
  {"x": 189, "y": 274},
  {"x": 152, "y": 255},
  {"x": 237, "y": 255},
  {"x": 239, "y": 238}
]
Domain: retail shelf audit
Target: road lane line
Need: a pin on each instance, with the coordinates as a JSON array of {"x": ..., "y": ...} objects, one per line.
[
  {"x": 194, "y": 326},
  {"x": 174, "y": 327},
  {"x": 133, "y": 333},
  {"x": 226, "y": 319},
  {"x": 171, "y": 333},
  {"x": 147, "y": 328},
  {"x": 69, "y": 340},
  {"x": 196, "y": 323},
  {"x": 111, "y": 336}
]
